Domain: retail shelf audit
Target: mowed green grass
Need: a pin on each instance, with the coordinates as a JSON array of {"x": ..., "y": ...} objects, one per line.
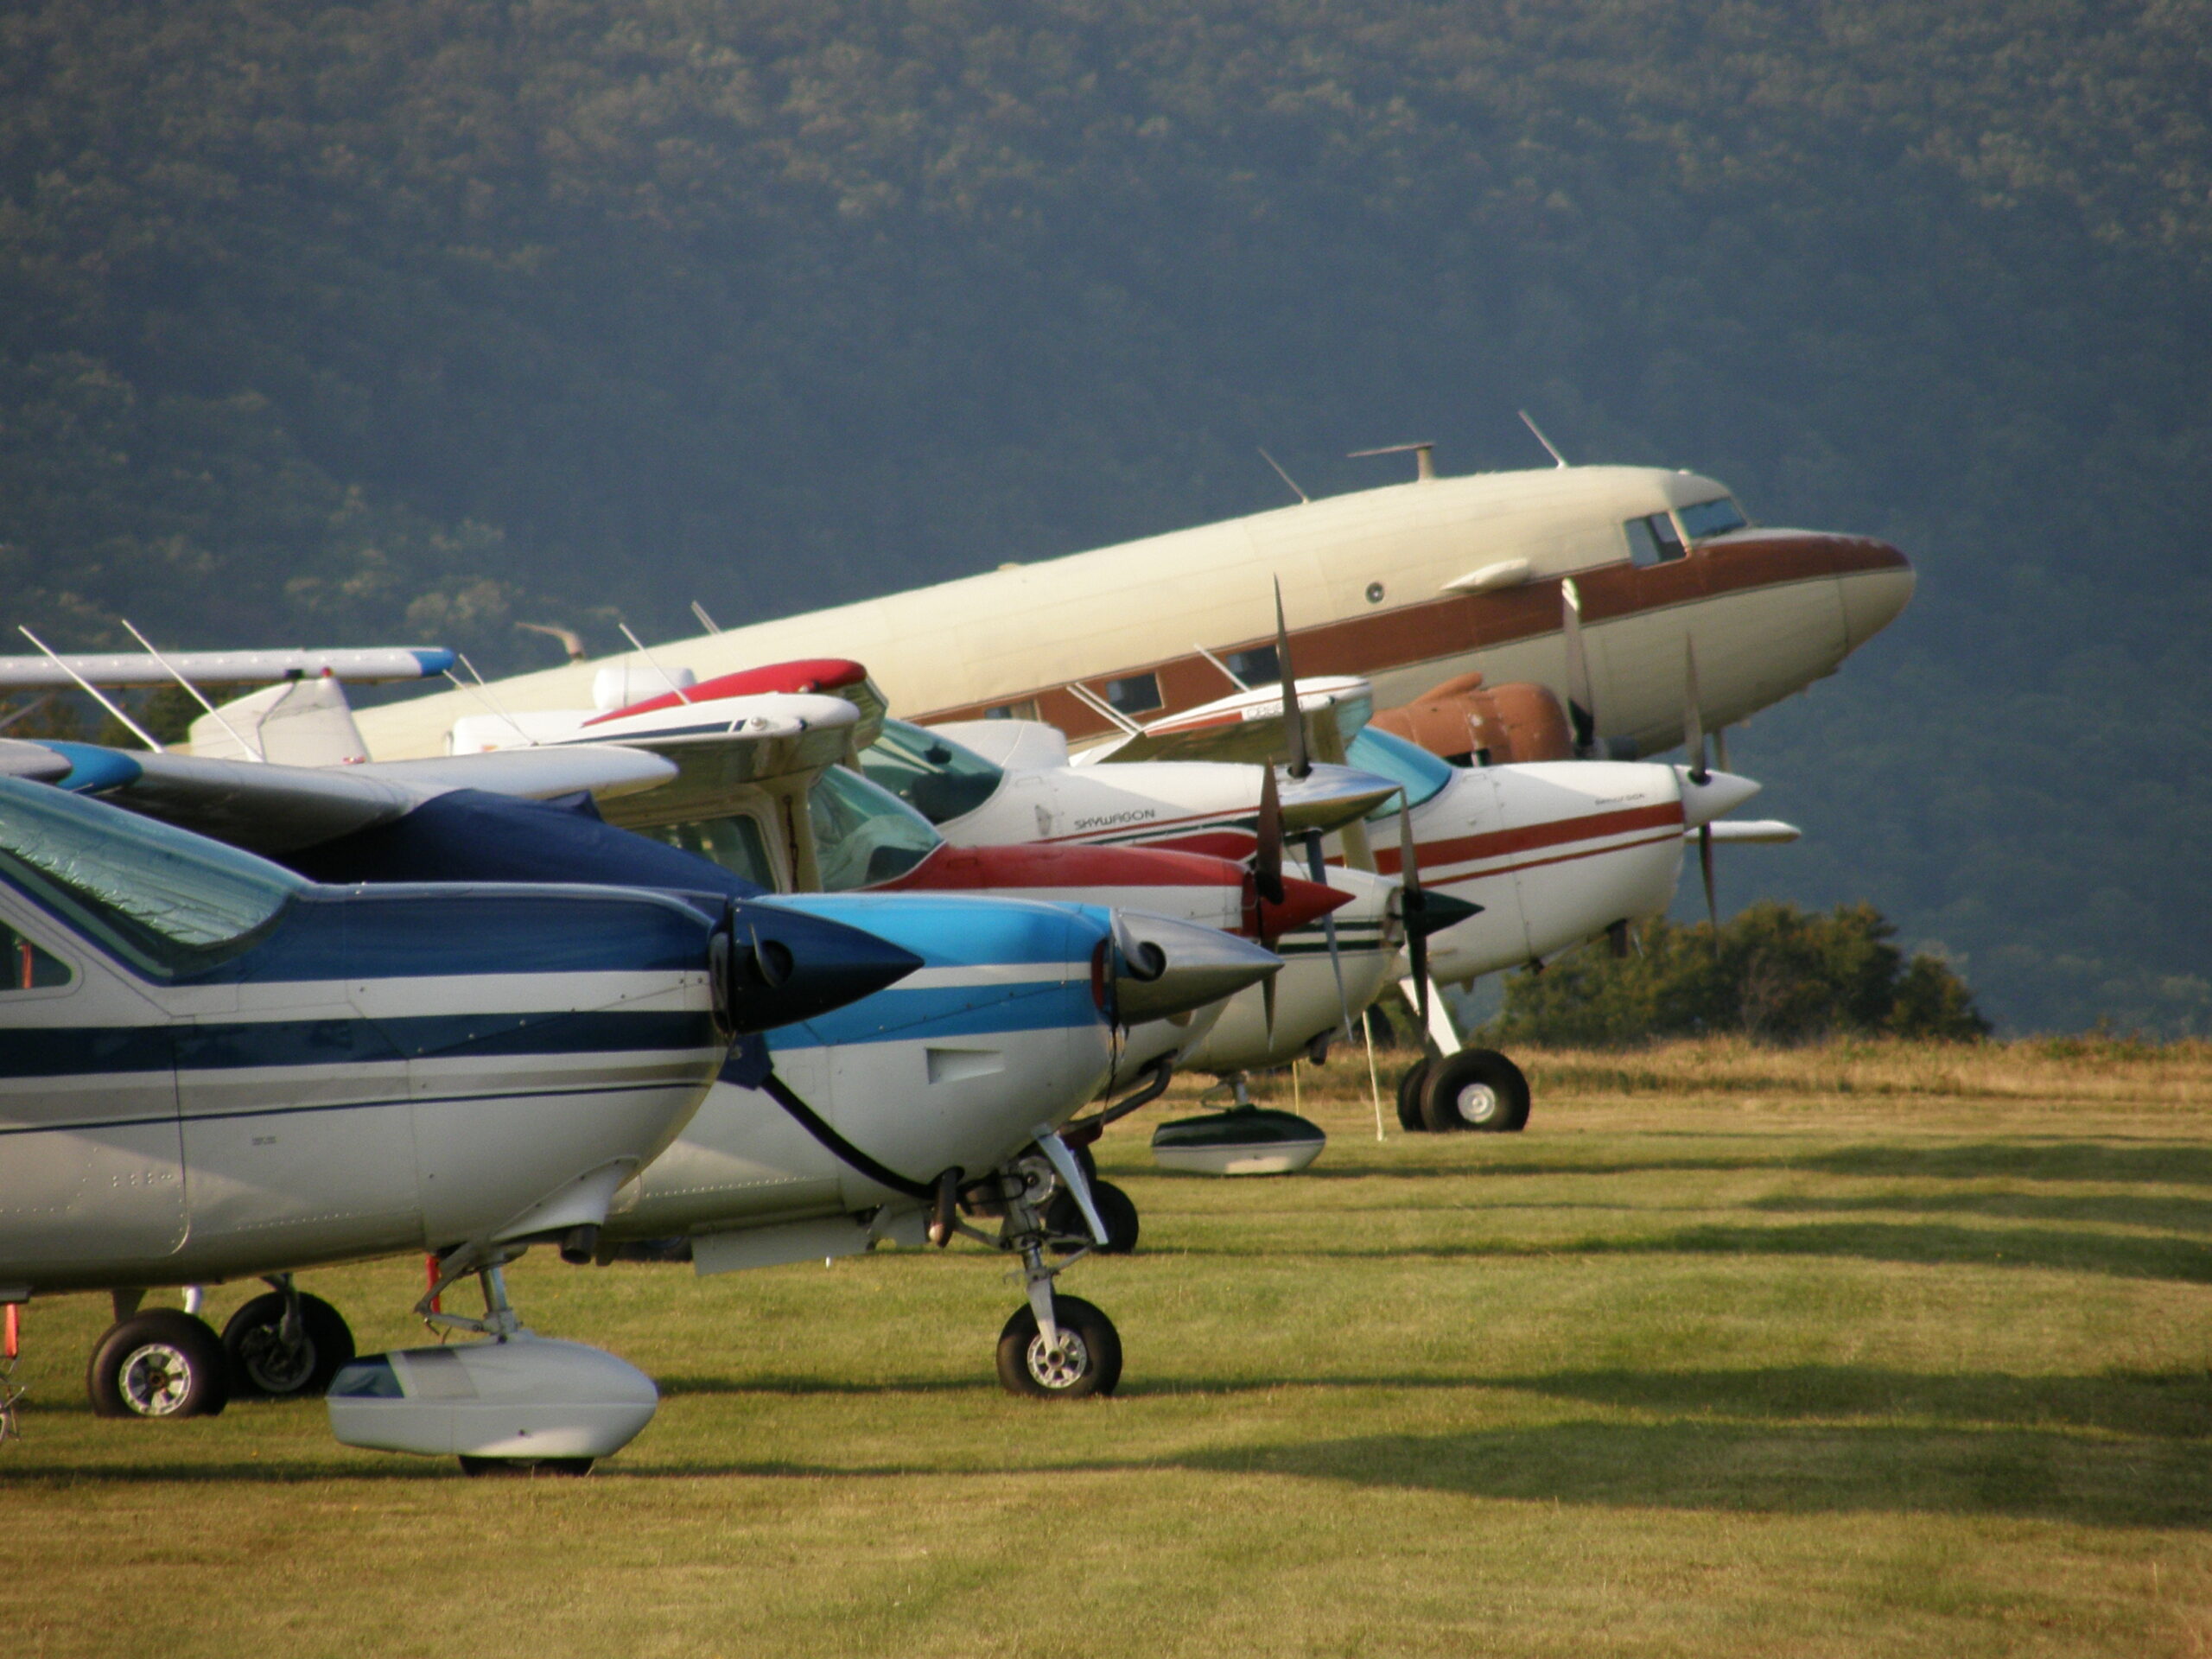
[{"x": 1842, "y": 1353}]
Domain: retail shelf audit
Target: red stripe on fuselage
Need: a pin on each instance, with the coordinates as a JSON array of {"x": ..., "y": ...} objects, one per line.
[{"x": 1499, "y": 843}]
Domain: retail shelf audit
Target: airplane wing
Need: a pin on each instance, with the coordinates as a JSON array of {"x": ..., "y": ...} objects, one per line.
[
  {"x": 224, "y": 667},
  {"x": 1248, "y": 728},
  {"x": 720, "y": 749},
  {"x": 266, "y": 807}
]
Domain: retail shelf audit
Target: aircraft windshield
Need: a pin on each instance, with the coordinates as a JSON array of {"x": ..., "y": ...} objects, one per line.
[
  {"x": 933, "y": 774},
  {"x": 864, "y": 835},
  {"x": 1401, "y": 762},
  {"x": 1711, "y": 518},
  {"x": 162, "y": 899}
]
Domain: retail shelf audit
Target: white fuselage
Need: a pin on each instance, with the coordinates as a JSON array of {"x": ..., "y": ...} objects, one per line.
[{"x": 1371, "y": 584}]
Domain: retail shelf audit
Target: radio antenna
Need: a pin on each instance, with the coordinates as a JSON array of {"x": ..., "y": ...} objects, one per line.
[
  {"x": 1550, "y": 449},
  {"x": 1304, "y": 500},
  {"x": 196, "y": 696},
  {"x": 86, "y": 686},
  {"x": 654, "y": 662}
]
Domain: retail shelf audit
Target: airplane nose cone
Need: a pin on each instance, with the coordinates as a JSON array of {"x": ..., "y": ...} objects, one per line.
[
  {"x": 1721, "y": 792},
  {"x": 775, "y": 967},
  {"x": 1302, "y": 902},
  {"x": 1328, "y": 797},
  {"x": 1167, "y": 967},
  {"x": 1876, "y": 582}
]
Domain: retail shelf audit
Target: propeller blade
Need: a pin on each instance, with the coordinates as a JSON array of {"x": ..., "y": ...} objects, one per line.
[
  {"x": 1693, "y": 715},
  {"x": 1268, "y": 1004},
  {"x": 1581, "y": 707},
  {"x": 1266, "y": 858},
  {"x": 1704, "y": 862},
  {"x": 1294, "y": 718},
  {"x": 1413, "y": 905},
  {"x": 1720, "y": 746},
  {"x": 1320, "y": 868}
]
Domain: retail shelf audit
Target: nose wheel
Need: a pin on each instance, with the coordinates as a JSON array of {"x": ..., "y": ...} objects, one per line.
[{"x": 1082, "y": 1356}]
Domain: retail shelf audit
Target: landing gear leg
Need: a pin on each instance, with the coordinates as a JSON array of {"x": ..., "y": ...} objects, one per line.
[{"x": 1058, "y": 1347}]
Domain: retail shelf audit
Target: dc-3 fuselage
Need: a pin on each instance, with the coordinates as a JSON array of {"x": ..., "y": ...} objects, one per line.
[{"x": 1407, "y": 585}]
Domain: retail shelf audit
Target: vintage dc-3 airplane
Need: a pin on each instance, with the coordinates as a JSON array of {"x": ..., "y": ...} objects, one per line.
[
  {"x": 1008, "y": 1025},
  {"x": 213, "y": 1068},
  {"x": 1406, "y": 586}
]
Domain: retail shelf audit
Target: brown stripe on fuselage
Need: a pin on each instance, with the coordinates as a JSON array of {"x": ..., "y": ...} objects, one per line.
[
  {"x": 1498, "y": 843},
  {"x": 1436, "y": 630}
]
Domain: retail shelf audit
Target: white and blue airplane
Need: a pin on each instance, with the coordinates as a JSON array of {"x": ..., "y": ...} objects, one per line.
[
  {"x": 213, "y": 1068},
  {"x": 938, "y": 1099}
]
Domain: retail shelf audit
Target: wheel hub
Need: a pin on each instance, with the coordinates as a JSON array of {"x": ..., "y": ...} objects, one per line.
[
  {"x": 276, "y": 1366},
  {"x": 155, "y": 1379},
  {"x": 1477, "y": 1102},
  {"x": 1062, "y": 1367}
]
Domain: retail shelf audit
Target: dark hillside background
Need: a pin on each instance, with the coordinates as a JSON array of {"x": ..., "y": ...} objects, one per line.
[{"x": 346, "y": 323}]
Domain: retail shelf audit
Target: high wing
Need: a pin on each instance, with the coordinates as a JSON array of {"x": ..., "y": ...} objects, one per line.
[
  {"x": 224, "y": 667},
  {"x": 717, "y": 748},
  {"x": 266, "y": 807},
  {"x": 1248, "y": 727}
]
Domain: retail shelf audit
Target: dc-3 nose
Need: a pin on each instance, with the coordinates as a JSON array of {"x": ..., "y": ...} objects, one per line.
[
  {"x": 1721, "y": 792},
  {"x": 1875, "y": 581},
  {"x": 776, "y": 967},
  {"x": 1164, "y": 967}
]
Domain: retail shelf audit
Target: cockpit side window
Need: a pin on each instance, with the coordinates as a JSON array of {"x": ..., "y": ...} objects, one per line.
[
  {"x": 1652, "y": 540},
  {"x": 864, "y": 835},
  {"x": 935, "y": 776},
  {"x": 1710, "y": 518},
  {"x": 734, "y": 842},
  {"x": 164, "y": 900},
  {"x": 24, "y": 967}
]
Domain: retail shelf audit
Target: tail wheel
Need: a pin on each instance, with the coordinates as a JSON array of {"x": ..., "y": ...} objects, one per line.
[
  {"x": 1409, "y": 1087},
  {"x": 1475, "y": 1088},
  {"x": 263, "y": 1366},
  {"x": 1086, "y": 1361},
  {"x": 164, "y": 1363}
]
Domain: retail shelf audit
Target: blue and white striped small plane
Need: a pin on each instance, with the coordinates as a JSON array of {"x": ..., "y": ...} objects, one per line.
[
  {"x": 918, "y": 1108},
  {"x": 211, "y": 1068}
]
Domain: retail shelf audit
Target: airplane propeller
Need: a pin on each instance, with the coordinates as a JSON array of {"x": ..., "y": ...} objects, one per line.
[
  {"x": 1693, "y": 738},
  {"x": 1422, "y": 912},
  {"x": 1302, "y": 766},
  {"x": 1581, "y": 706}
]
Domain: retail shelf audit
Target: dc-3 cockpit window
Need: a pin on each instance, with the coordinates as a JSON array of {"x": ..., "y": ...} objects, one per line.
[
  {"x": 162, "y": 900},
  {"x": 863, "y": 835},
  {"x": 1392, "y": 757},
  {"x": 1653, "y": 541},
  {"x": 933, "y": 774},
  {"x": 1710, "y": 518}
]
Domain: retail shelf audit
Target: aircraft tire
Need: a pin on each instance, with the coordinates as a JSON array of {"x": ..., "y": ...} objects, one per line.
[
  {"x": 1088, "y": 1364},
  {"x": 525, "y": 1468},
  {"x": 165, "y": 1363},
  {"x": 261, "y": 1367},
  {"x": 1409, "y": 1087},
  {"x": 1476, "y": 1089},
  {"x": 1119, "y": 1211}
]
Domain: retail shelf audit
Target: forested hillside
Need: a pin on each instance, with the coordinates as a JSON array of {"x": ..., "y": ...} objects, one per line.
[{"x": 417, "y": 318}]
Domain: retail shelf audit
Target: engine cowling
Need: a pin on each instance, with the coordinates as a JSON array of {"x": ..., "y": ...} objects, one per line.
[{"x": 1472, "y": 724}]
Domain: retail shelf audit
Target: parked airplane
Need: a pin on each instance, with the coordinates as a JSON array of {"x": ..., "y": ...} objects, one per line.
[
  {"x": 1406, "y": 585},
  {"x": 941, "y": 1094},
  {"x": 211, "y": 1068}
]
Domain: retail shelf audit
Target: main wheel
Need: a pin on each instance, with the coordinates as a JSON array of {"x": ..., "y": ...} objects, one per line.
[
  {"x": 1119, "y": 1211},
  {"x": 165, "y": 1363},
  {"x": 1475, "y": 1088},
  {"x": 1088, "y": 1360},
  {"x": 1063, "y": 1216},
  {"x": 524, "y": 1466},
  {"x": 1409, "y": 1086},
  {"x": 263, "y": 1366}
]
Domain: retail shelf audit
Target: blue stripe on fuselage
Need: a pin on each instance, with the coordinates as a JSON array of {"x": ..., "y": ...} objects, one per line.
[{"x": 246, "y": 1045}]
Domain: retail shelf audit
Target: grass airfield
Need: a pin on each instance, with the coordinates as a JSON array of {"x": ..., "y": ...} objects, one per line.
[{"x": 1853, "y": 1349}]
